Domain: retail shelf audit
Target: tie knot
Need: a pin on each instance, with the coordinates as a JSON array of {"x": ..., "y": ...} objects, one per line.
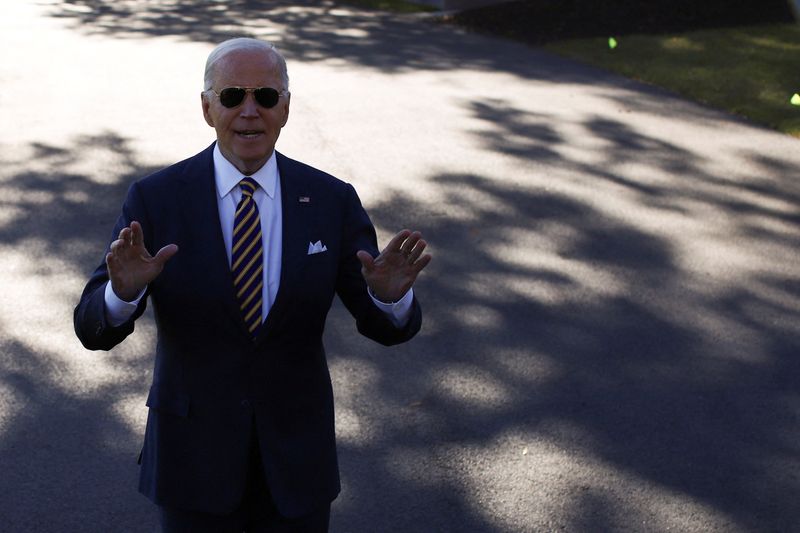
[{"x": 248, "y": 186}]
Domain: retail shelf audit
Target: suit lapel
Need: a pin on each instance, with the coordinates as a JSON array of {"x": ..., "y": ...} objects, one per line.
[
  {"x": 201, "y": 218},
  {"x": 295, "y": 235}
]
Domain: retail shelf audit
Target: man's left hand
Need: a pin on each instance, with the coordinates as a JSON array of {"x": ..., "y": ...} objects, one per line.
[{"x": 394, "y": 271}]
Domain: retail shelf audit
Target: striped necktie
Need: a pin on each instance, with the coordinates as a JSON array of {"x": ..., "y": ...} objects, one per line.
[{"x": 247, "y": 256}]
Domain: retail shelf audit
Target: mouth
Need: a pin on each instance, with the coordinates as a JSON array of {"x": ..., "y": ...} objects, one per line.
[{"x": 249, "y": 134}]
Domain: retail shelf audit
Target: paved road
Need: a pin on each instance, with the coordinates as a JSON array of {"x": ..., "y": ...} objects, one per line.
[{"x": 611, "y": 337}]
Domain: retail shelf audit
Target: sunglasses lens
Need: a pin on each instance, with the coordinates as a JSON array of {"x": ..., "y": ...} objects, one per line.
[
  {"x": 266, "y": 97},
  {"x": 232, "y": 96}
]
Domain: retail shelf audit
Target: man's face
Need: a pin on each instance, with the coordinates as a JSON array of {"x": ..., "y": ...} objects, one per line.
[{"x": 246, "y": 134}]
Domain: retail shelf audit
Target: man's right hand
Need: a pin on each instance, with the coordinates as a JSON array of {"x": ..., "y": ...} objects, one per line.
[{"x": 130, "y": 266}]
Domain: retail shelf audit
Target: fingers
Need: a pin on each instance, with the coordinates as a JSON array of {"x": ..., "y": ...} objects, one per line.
[
  {"x": 415, "y": 249},
  {"x": 114, "y": 249},
  {"x": 397, "y": 241},
  {"x": 131, "y": 235},
  {"x": 422, "y": 262},
  {"x": 123, "y": 239},
  {"x": 128, "y": 236},
  {"x": 112, "y": 263},
  {"x": 408, "y": 245},
  {"x": 136, "y": 234},
  {"x": 129, "y": 247}
]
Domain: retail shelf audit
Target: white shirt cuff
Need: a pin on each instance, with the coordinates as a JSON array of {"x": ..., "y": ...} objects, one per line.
[
  {"x": 398, "y": 312},
  {"x": 118, "y": 311}
]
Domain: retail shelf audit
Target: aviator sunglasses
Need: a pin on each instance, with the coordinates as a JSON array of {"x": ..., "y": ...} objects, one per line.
[{"x": 266, "y": 97}]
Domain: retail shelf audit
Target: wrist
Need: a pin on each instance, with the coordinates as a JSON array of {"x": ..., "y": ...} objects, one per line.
[
  {"x": 126, "y": 295},
  {"x": 381, "y": 298}
]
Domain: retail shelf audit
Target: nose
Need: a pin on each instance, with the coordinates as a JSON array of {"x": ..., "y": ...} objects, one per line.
[{"x": 249, "y": 107}]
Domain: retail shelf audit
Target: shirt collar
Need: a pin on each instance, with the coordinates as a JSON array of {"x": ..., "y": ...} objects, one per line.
[{"x": 228, "y": 176}]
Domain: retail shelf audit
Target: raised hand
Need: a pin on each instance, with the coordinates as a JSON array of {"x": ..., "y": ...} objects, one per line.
[
  {"x": 130, "y": 265},
  {"x": 394, "y": 271}
]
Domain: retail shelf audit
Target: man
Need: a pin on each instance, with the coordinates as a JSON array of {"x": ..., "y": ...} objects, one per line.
[{"x": 250, "y": 249}]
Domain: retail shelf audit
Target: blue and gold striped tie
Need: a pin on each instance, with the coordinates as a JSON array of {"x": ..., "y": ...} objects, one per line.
[{"x": 247, "y": 256}]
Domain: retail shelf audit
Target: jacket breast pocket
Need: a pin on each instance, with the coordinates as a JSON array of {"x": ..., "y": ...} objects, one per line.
[{"x": 164, "y": 400}]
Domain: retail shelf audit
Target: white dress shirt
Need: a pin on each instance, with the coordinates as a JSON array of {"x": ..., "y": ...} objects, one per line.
[{"x": 268, "y": 200}]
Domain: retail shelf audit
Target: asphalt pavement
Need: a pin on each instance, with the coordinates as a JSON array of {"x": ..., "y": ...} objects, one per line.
[{"x": 610, "y": 340}]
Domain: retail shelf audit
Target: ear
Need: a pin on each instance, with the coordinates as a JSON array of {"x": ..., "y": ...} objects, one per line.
[
  {"x": 206, "y": 103},
  {"x": 286, "y": 110}
]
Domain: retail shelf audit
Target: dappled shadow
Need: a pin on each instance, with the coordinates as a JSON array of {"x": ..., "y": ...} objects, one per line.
[
  {"x": 311, "y": 31},
  {"x": 550, "y": 323},
  {"x": 68, "y": 432},
  {"x": 591, "y": 331},
  {"x": 304, "y": 30},
  {"x": 54, "y": 203},
  {"x": 752, "y": 202},
  {"x": 579, "y": 365},
  {"x": 68, "y": 462},
  {"x": 342, "y": 36}
]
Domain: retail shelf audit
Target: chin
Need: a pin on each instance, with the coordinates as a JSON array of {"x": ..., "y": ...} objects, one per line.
[{"x": 252, "y": 156}]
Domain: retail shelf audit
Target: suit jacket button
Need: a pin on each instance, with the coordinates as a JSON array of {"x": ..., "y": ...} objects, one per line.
[
  {"x": 245, "y": 404},
  {"x": 99, "y": 329}
]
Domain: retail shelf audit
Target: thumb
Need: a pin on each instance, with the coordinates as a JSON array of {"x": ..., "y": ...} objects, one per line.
[
  {"x": 367, "y": 262},
  {"x": 166, "y": 253}
]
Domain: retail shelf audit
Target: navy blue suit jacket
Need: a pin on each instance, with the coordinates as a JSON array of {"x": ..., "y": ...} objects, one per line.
[{"x": 211, "y": 380}]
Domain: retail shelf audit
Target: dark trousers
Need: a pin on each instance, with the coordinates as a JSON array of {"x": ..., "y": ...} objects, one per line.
[{"x": 256, "y": 514}]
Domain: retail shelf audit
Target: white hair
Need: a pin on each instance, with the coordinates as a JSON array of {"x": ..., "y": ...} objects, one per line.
[{"x": 243, "y": 43}]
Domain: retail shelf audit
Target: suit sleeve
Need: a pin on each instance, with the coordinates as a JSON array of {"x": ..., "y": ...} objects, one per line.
[
  {"x": 359, "y": 234},
  {"x": 89, "y": 317}
]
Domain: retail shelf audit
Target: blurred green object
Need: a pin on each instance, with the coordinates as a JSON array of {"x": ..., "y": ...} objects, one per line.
[
  {"x": 795, "y": 99},
  {"x": 745, "y": 70},
  {"x": 612, "y": 43}
]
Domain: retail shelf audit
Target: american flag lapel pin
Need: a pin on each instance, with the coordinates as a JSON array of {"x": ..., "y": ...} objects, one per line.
[{"x": 305, "y": 199}]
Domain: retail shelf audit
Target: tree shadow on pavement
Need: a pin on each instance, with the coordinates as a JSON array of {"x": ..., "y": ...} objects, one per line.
[
  {"x": 549, "y": 323},
  {"x": 575, "y": 364},
  {"x": 312, "y": 31},
  {"x": 309, "y": 31},
  {"x": 57, "y": 193},
  {"x": 70, "y": 420},
  {"x": 69, "y": 463},
  {"x": 589, "y": 331}
]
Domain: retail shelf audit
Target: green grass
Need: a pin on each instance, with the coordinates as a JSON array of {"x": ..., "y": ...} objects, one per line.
[
  {"x": 395, "y": 6},
  {"x": 750, "y": 71}
]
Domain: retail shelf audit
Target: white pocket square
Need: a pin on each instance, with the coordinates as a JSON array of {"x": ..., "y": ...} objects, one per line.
[{"x": 316, "y": 248}]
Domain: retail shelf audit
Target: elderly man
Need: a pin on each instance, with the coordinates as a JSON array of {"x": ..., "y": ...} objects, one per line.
[{"x": 250, "y": 248}]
